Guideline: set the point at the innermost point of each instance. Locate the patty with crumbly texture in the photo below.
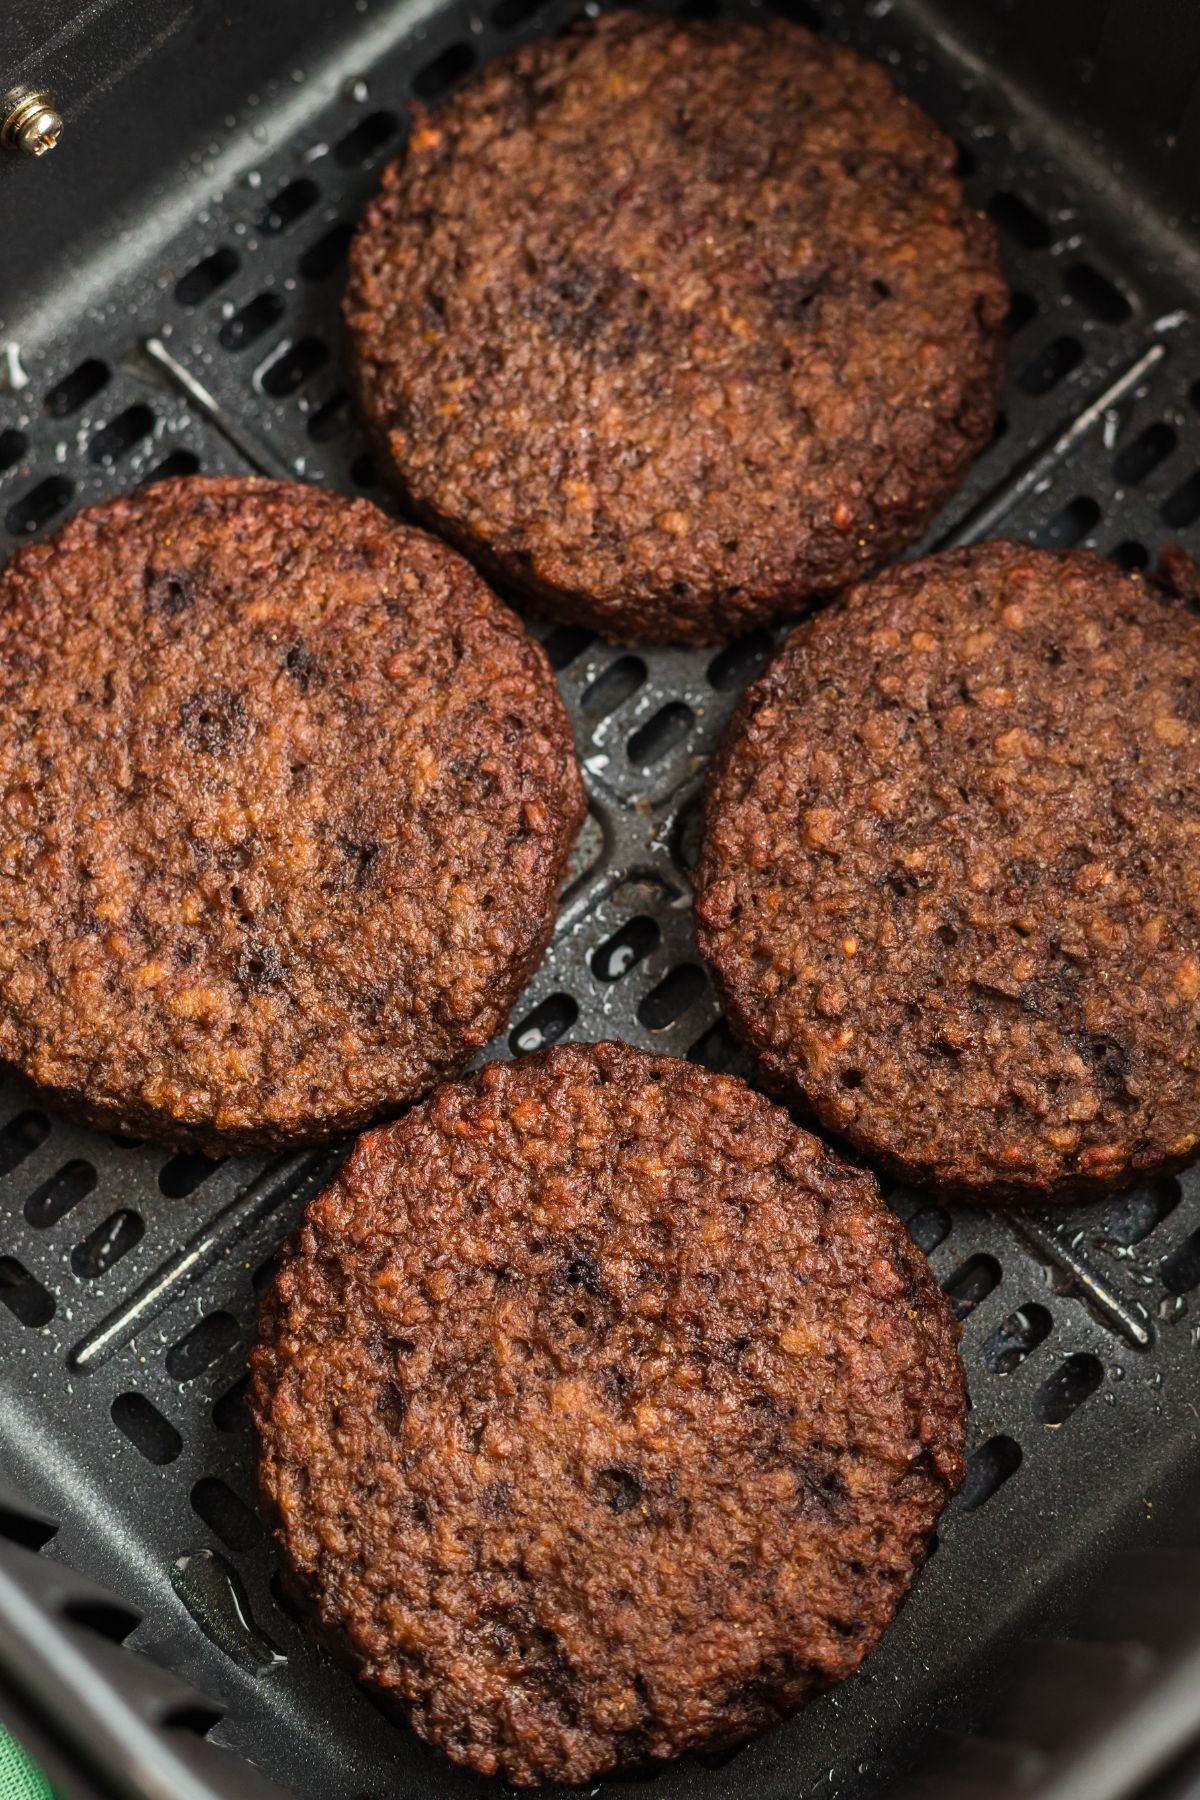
(286, 795)
(603, 1414)
(949, 884)
(671, 326)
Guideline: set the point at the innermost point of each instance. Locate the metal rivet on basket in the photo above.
(28, 121)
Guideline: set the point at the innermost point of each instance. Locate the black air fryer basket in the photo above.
(169, 287)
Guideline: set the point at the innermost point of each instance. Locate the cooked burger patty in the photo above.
(671, 325)
(949, 886)
(603, 1414)
(287, 795)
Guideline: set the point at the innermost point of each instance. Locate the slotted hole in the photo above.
(803, 12)
(202, 1346)
(1022, 310)
(366, 140)
(362, 472)
(740, 661)
(23, 1294)
(223, 1513)
(201, 281)
(613, 687)
(21, 1137)
(1070, 1385)
(625, 948)
(1143, 455)
(510, 13)
(1096, 294)
(76, 389)
(253, 321)
(295, 365)
(1131, 555)
(564, 643)
(450, 66)
(112, 1239)
(716, 1049)
(965, 163)
(1180, 1271)
(196, 1718)
(290, 203)
(1052, 364)
(660, 735)
(1015, 1338)
(330, 420)
(229, 1410)
(121, 435)
(145, 1427)
(180, 462)
(12, 449)
(1017, 218)
(971, 1284)
(327, 255)
(675, 994)
(1071, 525)
(107, 1618)
(283, 1599)
(1183, 507)
(929, 1227)
(182, 1174)
(265, 1273)
(39, 505)
(544, 1025)
(24, 1528)
(1132, 1217)
(988, 1468)
(55, 1198)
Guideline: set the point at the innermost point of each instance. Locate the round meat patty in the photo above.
(286, 795)
(670, 326)
(949, 884)
(603, 1414)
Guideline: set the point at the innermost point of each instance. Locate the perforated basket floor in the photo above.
(128, 1277)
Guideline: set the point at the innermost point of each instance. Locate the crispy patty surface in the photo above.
(286, 797)
(670, 326)
(949, 883)
(603, 1413)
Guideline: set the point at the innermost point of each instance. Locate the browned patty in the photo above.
(949, 886)
(670, 326)
(603, 1414)
(286, 797)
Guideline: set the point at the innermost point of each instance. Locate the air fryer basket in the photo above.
(162, 313)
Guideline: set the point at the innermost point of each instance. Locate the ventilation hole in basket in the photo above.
(1183, 507)
(1181, 1270)
(121, 435)
(988, 1468)
(966, 162)
(180, 462)
(12, 449)
(1018, 220)
(283, 1599)
(330, 420)
(511, 13)
(24, 1529)
(54, 1199)
(1143, 455)
(1131, 555)
(1071, 525)
(802, 12)
(929, 1227)
(265, 1273)
(23, 1294)
(229, 1410)
(195, 1718)
(625, 948)
(201, 281)
(1052, 364)
(544, 1025)
(297, 363)
(1022, 310)
(202, 1346)
(661, 734)
(1097, 294)
(565, 643)
(107, 1618)
(39, 505)
(1015, 1338)
(182, 1174)
(21, 1137)
(740, 661)
(675, 994)
(112, 1239)
(327, 255)
(366, 140)
(224, 1514)
(1069, 1386)
(999, 427)
(971, 1283)
(77, 388)
(362, 472)
(1132, 1217)
(253, 321)
(613, 687)
(443, 71)
(290, 203)
(716, 1049)
(1196, 395)
(141, 1422)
